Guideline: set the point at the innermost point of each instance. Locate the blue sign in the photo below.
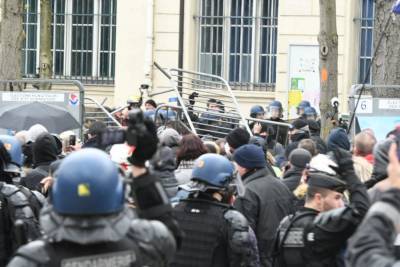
(396, 7)
(380, 125)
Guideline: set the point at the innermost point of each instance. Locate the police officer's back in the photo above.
(20, 206)
(317, 234)
(215, 234)
(88, 222)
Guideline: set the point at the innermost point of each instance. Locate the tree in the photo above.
(328, 58)
(46, 57)
(11, 38)
(385, 68)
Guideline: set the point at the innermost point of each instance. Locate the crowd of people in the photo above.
(267, 197)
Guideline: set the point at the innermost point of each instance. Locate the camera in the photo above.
(136, 128)
(335, 102)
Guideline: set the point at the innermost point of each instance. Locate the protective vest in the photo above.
(19, 223)
(290, 245)
(123, 253)
(205, 229)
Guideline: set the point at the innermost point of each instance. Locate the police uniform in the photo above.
(310, 238)
(118, 241)
(88, 224)
(19, 207)
(215, 235)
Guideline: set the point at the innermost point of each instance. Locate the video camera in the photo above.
(136, 128)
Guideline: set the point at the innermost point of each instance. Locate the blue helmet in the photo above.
(304, 104)
(87, 183)
(310, 111)
(275, 104)
(213, 170)
(255, 110)
(13, 147)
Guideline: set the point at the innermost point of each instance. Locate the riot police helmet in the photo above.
(302, 105)
(257, 111)
(87, 183)
(311, 113)
(214, 171)
(14, 149)
(275, 109)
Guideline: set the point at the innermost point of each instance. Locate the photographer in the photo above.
(84, 226)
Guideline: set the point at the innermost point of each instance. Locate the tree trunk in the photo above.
(11, 38)
(46, 57)
(385, 69)
(328, 58)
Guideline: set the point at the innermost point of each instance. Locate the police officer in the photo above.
(310, 113)
(301, 108)
(19, 207)
(257, 112)
(275, 110)
(215, 233)
(88, 223)
(280, 133)
(317, 234)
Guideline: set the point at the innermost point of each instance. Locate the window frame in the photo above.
(256, 41)
(95, 74)
(367, 28)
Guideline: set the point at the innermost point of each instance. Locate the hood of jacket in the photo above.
(44, 149)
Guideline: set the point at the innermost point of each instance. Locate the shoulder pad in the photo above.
(236, 219)
(39, 197)
(325, 217)
(9, 189)
(34, 251)
(153, 237)
(12, 193)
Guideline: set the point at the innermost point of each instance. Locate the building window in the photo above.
(84, 35)
(237, 40)
(366, 39)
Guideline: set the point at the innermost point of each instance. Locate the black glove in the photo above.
(192, 97)
(344, 160)
(147, 142)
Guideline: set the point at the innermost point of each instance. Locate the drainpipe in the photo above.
(148, 69)
(181, 39)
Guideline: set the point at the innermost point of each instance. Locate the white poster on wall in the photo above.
(303, 75)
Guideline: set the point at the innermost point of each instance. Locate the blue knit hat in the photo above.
(250, 157)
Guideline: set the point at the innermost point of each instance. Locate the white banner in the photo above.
(389, 103)
(32, 96)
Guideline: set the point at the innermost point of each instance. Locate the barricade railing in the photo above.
(209, 106)
(280, 129)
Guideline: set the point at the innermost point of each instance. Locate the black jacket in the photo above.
(44, 153)
(325, 237)
(292, 178)
(265, 203)
(373, 243)
(321, 146)
(295, 140)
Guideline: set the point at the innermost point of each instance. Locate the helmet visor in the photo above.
(274, 112)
